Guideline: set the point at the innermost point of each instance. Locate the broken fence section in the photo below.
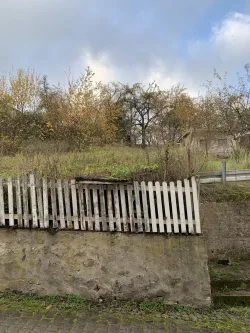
(31, 202)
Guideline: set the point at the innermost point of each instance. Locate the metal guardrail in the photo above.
(224, 176)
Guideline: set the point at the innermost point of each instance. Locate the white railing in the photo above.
(31, 202)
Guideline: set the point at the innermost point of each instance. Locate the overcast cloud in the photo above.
(130, 41)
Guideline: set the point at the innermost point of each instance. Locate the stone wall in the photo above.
(226, 225)
(104, 265)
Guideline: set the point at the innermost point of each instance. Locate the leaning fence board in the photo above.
(67, 204)
(10, 202)
(181, 206)
(189, 206)
(152, 206)
(40, 203)
(110, 211)
(117, 209)
(19, 204)
(174, 207)
(2, 209)
(33, 201)
(166, 206)
(96, 210)
(138, 207)
(196, 206)
(124, 210)
(131, 208)
(145, 206)
(45, 203)
(159, 206)
(25, 201)
(53, 203)
(61, 204)
(74, 204)
(89, 207)
(81, 207)
(103, 208)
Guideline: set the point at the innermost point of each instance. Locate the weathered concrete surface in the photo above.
(226, 225)
(103, 265)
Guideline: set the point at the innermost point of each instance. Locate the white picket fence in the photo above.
(31, 202)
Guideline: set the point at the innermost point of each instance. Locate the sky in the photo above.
(166, 41)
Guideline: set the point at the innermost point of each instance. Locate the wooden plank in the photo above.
(159, 207)
(61, 204)
(67, 204)
(167, 207)
(110, 209)
(117, 209)
(81, 207)
(96, 209)
(10, 202)
(33, 201)
(74, 204)
(19, 203)
(53, 204)
(40, 203)
(181, 206)
(131, 207)
(145, 206)
(138, 207)
(124, 209)
(89, 207)
(45, 203)
(2, 211)
(25, 201)
(152, 206)
(174, 207)
(103, 209)
(196, 206)
(189, 206)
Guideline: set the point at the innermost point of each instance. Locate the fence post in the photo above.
(223, 172)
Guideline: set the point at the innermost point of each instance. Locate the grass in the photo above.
(221, 318)
(113, 162)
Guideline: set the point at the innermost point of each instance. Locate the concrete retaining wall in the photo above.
(226, 226)
(103, 265)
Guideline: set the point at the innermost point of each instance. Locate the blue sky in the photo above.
(131, 41)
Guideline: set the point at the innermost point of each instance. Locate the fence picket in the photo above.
(138, 207)
(110, 210)
(89, 207)
(45, 203)
(96, 210)
(131, 208)
(145, 206)
(196, 206)
(33, 201)
(2, 209)
(103, 209)
(181, 206)
(53, 204)
(167, 207)
(189, 206)
(74, 204)
(19, 203)
(61, 204)
(174, 207)
(124, 210)
(25, 201)
(40, 203)
(159, 206)
(152, 206)
(81, 207)
(10, 202)
(67, 203)
(117, 209)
